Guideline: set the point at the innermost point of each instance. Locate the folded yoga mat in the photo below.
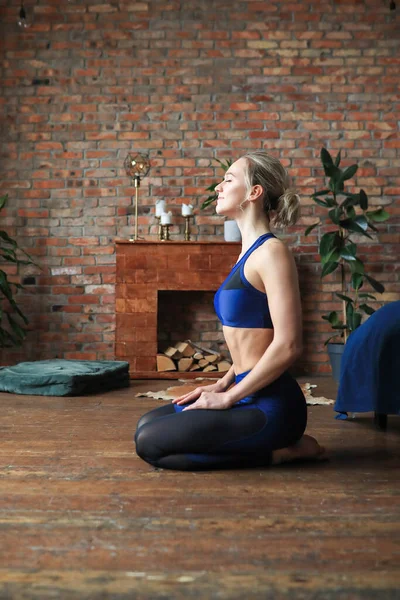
(59, 377)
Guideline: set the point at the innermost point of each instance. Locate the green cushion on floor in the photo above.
(59, 377)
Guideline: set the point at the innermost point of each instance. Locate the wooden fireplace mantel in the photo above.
(146, 267)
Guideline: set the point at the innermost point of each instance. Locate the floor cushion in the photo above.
(59, 377)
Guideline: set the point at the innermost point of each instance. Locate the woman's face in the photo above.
(232, 190)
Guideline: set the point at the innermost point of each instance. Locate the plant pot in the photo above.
(232, 232)
(335, 352)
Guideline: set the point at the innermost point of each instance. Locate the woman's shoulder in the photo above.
(274, 248)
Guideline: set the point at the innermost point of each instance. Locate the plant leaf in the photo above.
(332, 337)
(320, 193)
(18, 332)
(354, 321)
(332, 317)
(372, 226)
(320, 202)
(378, 287)
(208, 201)
(310, 228)
(337, 159)
(351, 213)
(329, 268)
(363, 200)
(326, 158)
(361, 220)
(5, 286)
(349, 172)
(357, 280)
(378, 216)
(331, 170)
(335, 214)
(343, 297)
(336, 182)
(366, 295)
(332, 256)
(357, 266)
(346, 255)
(6, 238)
(328, 241)
(352, 225)
(367, 309)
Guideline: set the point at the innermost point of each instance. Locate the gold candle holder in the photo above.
(159, 228)
(165, 232)
(137, 167)
(187, 226)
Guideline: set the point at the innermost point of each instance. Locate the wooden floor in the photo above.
(83, 517)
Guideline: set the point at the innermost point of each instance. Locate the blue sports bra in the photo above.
(237, 302)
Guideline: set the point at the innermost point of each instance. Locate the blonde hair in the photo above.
(279, 198)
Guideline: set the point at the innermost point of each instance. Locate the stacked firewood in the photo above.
(188, 356)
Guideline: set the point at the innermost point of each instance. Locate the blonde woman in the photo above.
(261, 419)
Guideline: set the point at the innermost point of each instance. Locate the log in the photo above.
(184, 364)
(209, 368)
(164, 363)
(223, 366)
(185, 348)
(198, 356)
(211, 358)
(202, 349)
(203, 363)
(172, 352)
(195, 367)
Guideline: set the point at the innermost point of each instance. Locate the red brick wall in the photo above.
(186, 82)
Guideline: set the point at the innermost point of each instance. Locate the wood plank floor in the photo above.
(82, 517)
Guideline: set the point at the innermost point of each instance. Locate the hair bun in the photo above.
(287, 209)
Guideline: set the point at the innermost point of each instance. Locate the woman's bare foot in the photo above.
(307, 448)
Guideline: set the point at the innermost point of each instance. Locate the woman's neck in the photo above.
(251, 229)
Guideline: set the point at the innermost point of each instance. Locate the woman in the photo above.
(261, 419)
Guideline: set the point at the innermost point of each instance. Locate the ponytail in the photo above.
(287, 209)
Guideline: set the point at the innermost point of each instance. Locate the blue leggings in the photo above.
(242, 436)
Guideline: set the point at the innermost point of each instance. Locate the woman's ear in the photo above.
(256, 192)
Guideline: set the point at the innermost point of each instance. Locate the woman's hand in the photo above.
(196, 393)
(208, 400)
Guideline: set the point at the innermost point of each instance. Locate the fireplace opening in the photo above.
(184, 315)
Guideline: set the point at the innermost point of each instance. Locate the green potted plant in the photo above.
(231, 230)
(348, 215)
(12, 320)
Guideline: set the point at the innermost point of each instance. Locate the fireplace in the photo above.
(144, 270)
(189, 315)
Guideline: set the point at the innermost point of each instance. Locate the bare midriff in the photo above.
(247, 346)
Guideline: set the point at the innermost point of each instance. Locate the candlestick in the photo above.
(159, 227)
(187, 226)
(165, 231)
(137, 167)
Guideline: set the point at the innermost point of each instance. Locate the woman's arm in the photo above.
(226, 380)
(276, 269)
(218, 387)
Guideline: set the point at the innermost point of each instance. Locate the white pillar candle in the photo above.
(166, 218)
(160, 207)
(187, 209)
